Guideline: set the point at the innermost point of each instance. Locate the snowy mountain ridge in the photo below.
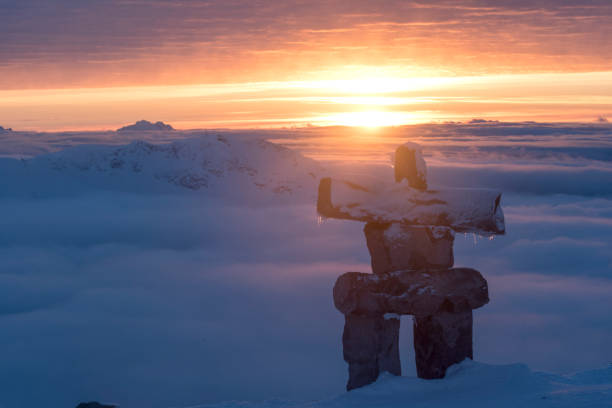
(146, 125)
(215, 164)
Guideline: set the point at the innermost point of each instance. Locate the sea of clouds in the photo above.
(165, 298)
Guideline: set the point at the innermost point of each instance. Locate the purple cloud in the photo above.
(159, 41)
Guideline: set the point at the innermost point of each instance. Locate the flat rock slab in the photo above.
(373, 200)
(418, 293)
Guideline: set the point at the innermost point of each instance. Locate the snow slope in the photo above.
(215, 164)
(469, 384)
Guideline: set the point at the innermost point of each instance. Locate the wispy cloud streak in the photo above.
(120, 42)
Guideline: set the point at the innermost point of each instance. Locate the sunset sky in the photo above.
(72, 64)
(199, 265)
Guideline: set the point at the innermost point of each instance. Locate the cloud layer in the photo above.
(119, 42)
(158, 299)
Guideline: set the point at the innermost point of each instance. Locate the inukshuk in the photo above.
(409, 232)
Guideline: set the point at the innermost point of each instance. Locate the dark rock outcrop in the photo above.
(94, 404)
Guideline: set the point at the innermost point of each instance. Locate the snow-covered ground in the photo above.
(181, 268)
(469, 384)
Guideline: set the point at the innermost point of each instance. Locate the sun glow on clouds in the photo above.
(376, 85)
(370, 119)
(368, 100)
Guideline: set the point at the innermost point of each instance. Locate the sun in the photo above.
(366, 101)
(370, 98)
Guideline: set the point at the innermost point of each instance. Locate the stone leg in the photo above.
(441, 340)
(388, 354)
(370, 345)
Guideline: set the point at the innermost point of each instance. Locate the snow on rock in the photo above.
(210, 163)
(395, 232)
(468, 384)
(371, 200)
(146, 125)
